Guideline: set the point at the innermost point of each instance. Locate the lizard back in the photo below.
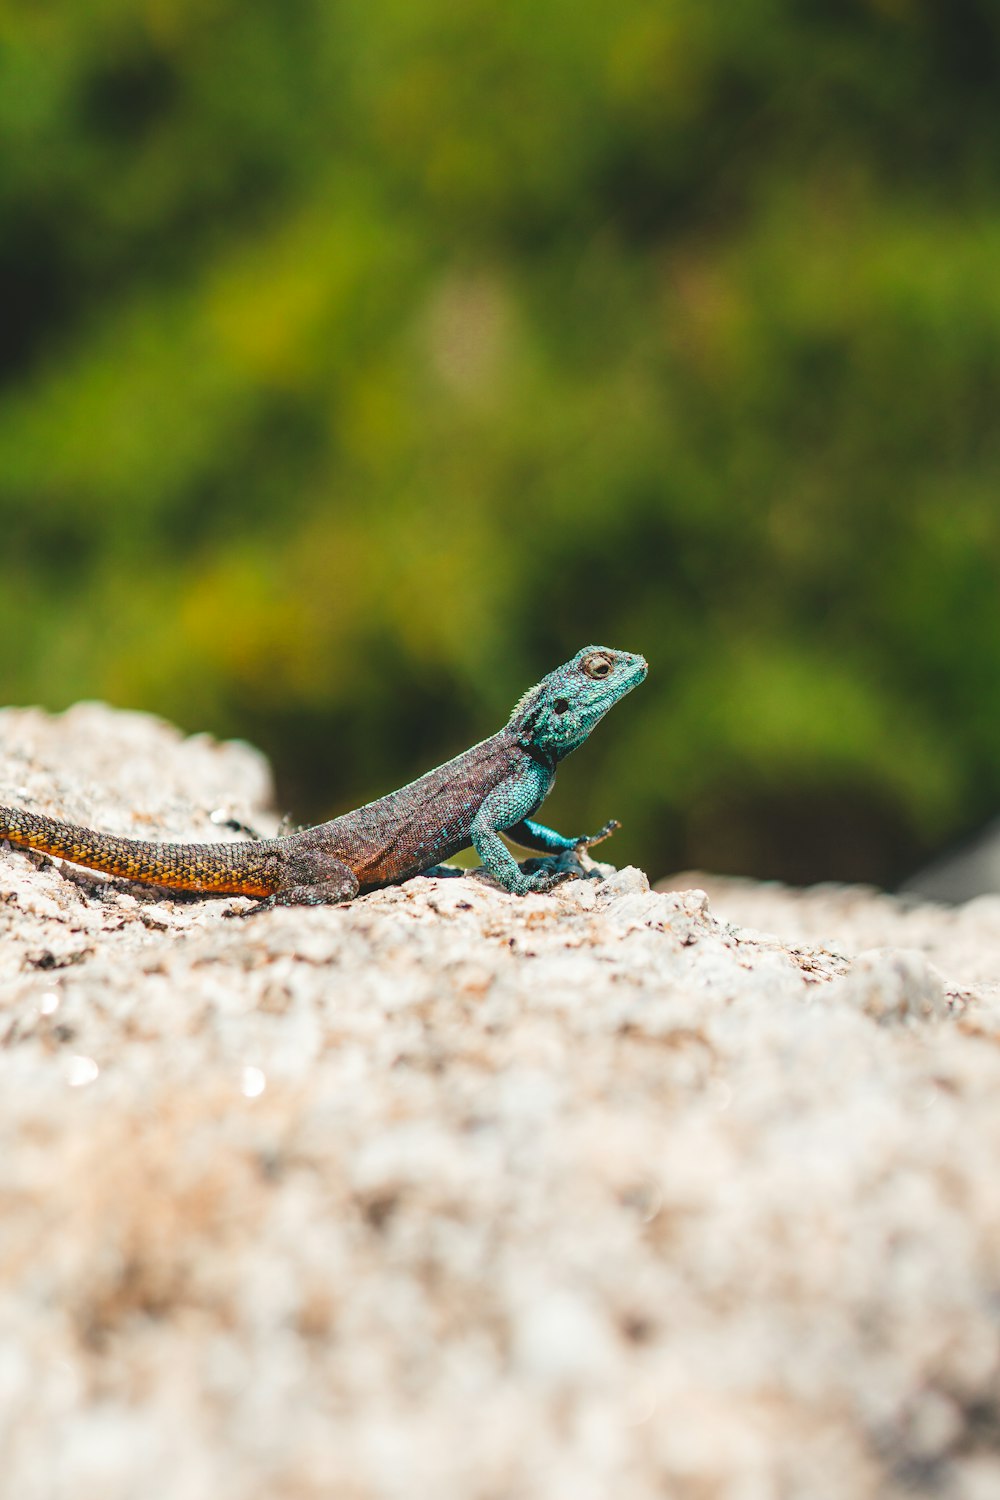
(418, 825)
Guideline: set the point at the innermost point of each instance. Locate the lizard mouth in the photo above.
(638, 670)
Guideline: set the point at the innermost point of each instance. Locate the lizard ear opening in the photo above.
(560, 706)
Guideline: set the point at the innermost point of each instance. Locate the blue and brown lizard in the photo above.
(495, 787)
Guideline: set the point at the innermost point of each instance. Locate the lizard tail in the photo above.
(241, 869)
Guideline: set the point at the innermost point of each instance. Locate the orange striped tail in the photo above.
(239, 869)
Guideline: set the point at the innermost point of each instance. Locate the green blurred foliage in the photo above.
(360, 363)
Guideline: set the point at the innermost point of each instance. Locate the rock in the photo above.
(444, 1193)
(893, 986)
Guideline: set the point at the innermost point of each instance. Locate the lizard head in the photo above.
(557, 715)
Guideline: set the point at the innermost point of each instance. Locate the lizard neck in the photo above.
(523, 739)
(543, 757)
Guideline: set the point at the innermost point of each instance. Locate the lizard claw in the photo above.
(548, 879)
(589, 840)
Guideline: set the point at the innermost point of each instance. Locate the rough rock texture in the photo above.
(451, 1194)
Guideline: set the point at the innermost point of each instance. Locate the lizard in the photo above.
(495, 786)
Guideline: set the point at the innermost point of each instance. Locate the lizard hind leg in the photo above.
(310, 877)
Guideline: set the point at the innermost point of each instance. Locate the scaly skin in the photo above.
(496, 786)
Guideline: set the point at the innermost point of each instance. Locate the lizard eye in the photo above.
(560, 706)
(597, 665)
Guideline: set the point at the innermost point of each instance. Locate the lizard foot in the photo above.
(544, 874)
(548, 880)
(222, 819)
(313, 893)
(326, 893)
(589, 840)
(534, 875)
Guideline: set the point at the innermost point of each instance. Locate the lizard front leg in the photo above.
(494, 815)
(532, 835)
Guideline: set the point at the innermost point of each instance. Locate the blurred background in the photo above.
(361, 363)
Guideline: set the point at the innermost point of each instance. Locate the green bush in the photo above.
(362, 362)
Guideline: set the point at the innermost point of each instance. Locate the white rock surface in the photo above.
(449, 1194)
